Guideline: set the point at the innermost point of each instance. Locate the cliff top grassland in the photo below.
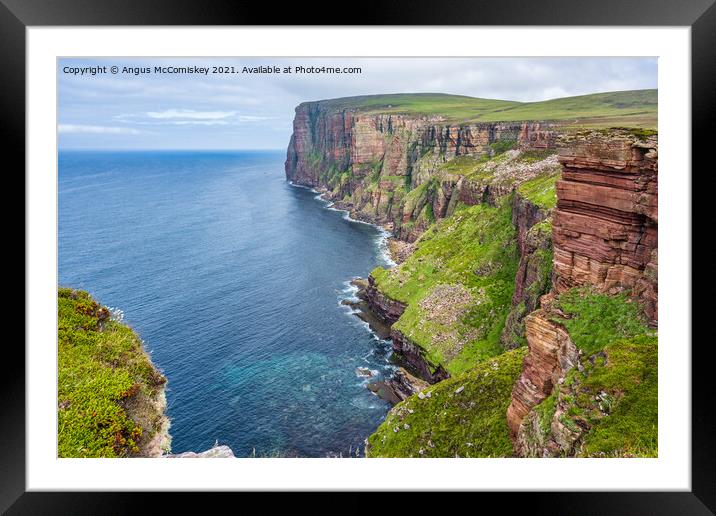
(593, 320)
(110, 396)
(635, 108)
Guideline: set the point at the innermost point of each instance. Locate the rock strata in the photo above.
(551, 354)
(605, 228)
(605, 236)
(412, 356)
(386, 308)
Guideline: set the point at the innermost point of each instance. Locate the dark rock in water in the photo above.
(400, 386)
(364, 371)
(361, 283)
(363, 311)
(384, 390)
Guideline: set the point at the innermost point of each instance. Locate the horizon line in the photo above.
(145, 149)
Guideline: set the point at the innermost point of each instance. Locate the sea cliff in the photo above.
(527, 239)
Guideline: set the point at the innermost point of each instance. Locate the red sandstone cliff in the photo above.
(605, 224)
(367, 162)
(604, 235)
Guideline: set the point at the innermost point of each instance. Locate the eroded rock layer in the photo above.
(605, 227)
(533, 277)
(551, 354)
(605, 237)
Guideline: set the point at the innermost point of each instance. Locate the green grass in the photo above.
(594, 320)
(630, 376)
(615, 396)
(611, 399)
(452, 106)
(464, 165)
(473, 252)
(533, 156)
(541, 190)
(102, 371)
(637, 108)
(469, 423)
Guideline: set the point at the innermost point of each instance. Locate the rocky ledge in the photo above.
(398, 387)
(551, 354)
(215, 452)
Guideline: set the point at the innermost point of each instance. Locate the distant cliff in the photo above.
(390, 168)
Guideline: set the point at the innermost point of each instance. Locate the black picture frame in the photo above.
(17, 15)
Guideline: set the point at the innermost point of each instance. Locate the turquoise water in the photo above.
(233, 278)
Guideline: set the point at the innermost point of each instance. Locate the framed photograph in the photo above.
(417, 253)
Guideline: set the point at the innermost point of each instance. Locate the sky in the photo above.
(133, 109)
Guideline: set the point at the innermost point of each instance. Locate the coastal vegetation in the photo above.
(110, 396)
(458, 285)
(463, 416)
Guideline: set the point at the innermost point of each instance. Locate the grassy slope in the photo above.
(474, 251)
(620, 378)
(541, 191)
(637, 108)
(464, 416)
(102, 370)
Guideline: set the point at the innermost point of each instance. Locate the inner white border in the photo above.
(671, 471)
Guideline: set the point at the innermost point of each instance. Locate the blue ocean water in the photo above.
(233, 278)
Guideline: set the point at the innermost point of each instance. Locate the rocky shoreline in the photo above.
(377, 310)
(403, 383)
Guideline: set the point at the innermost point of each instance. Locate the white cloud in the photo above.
(252, 118)
(190, 114)
(198, 122)
(168, 118)
(94, 129)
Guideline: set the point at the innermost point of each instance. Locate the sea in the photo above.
(234, 280)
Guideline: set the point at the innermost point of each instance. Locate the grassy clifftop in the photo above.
(110, 396)
(635, 108)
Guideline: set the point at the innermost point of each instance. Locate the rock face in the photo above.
(387, 309)
(533, 277)
(604, 236)
(412, 356)
(606, 221)
(551, 354)
(366, 162)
